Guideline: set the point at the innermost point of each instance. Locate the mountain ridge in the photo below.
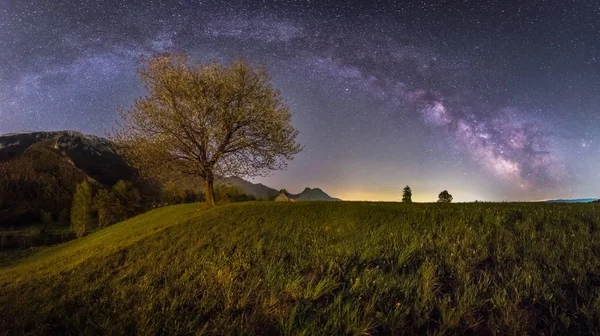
(574, 200)
(32, 163)
(311, 194)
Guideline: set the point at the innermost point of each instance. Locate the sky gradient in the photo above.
(490, 100)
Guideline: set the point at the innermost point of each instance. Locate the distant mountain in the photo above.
(577, 200)
(93, 155)
(258, 190)
(315, 194)
(261, 191)
(40, 170)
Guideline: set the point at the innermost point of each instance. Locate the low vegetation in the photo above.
(317, 268)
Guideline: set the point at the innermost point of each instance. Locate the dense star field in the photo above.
(492, 100)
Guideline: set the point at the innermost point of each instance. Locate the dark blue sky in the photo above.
(491, 100)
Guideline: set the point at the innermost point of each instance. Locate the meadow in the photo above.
(317, 268)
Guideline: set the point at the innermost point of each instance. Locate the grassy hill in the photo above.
(317, 268)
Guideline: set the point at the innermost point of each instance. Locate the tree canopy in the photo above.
(206, 120)
(81, 212)
(407, 195)
(445, 197)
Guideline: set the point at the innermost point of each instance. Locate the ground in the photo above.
(317, 268)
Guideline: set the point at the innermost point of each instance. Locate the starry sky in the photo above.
(491, 100)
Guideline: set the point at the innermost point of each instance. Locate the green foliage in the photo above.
(127, 198)
(38, 180)
(81, 212)
(224, 193)
(325, 268)
(177, 193)
(407, 195)
(106, 206)
(445, 197)
(122, 201)
(227, 193)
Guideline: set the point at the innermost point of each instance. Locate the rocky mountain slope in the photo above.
(39, 172)
(93, 155)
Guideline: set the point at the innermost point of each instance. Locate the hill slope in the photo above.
(317, 268)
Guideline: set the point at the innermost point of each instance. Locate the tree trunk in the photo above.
(209, 192)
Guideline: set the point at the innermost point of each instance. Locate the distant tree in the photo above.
(444, 197)
(81, 212)
(127, 198)
(206, 120)
(117, 204)
(283, 191)
(105, 205)
(407, 195)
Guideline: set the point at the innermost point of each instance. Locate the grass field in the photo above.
(317, 269)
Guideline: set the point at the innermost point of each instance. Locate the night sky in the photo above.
(491, 100)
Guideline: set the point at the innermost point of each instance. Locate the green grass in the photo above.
(317, 268)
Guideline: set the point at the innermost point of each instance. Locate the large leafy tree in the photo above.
(205, 121)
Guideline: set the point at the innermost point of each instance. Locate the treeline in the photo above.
(98, 207)
(38, 186)
(173, 193)
(104, 207)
